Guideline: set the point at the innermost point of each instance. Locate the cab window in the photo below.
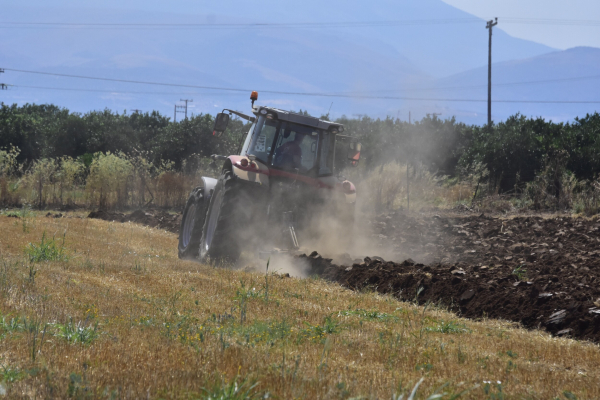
(296, 148)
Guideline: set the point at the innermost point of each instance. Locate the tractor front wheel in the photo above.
(192, 222)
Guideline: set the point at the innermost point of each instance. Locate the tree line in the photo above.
(505, 154)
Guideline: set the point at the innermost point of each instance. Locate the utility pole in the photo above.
(489, 26)
(178, 109)
(3, 86)
(186, 104)
(409, 117)
(407, 188)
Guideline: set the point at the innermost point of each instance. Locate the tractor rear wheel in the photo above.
(228, 217)
(192, 222)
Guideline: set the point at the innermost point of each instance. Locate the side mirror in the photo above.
(221, 122)
(354, 152)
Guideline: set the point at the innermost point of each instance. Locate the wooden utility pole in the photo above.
(3, 86)
(186, 102)
(489, 26)
(177, 110)
(407, 189)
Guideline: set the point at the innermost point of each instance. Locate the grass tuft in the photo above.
(449, 327)
(46, 250)
(77, 332)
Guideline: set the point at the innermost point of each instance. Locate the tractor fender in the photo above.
(247, 170)
(346, 187)
(209, 185)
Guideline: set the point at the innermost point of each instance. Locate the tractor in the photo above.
(275, 192)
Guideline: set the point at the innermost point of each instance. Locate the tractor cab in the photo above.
(292, 142)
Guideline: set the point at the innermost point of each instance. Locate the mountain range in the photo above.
(416, 58)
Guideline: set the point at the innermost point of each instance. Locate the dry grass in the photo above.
(168, 328)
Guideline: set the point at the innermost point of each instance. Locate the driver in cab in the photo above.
(289, 154)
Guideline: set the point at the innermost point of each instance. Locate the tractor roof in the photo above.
(290, 116)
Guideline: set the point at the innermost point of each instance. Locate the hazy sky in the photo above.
(561, 37)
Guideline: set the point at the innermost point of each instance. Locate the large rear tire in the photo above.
(227, 220)
(190, 232)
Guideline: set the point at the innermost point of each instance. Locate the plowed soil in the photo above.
(154, 218)
(541, 272)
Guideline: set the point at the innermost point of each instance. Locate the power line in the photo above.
(137, 82)
(328, 95)
(337, 94)
(117, 91)
(269, 25)
(550, 21)
(259, 25)
(418, 89)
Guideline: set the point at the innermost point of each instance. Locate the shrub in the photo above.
(108, 179)
(8, 165)
(39, 177)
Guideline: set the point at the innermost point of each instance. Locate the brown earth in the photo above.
(541, 272)
(154, 218)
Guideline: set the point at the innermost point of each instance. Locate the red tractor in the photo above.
(275, 192)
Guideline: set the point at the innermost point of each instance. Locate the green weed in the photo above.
(24, 212)
(425, 367)
(520, 272)
(265, 332)
(47, 250)
(449, 327)
(243, 294)
(569, 396)
(512, 354)
(233, 390)
(78, 387)
(320, 332)
(369, 315)
(76, 332)
(493, 391)
(10, 325)
(11, 375)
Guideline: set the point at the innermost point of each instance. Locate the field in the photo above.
(100, 309)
